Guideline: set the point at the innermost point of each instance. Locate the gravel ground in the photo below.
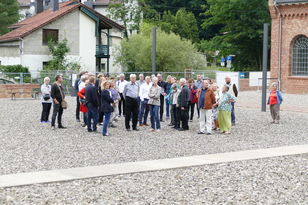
(26, 145)
(281, 181)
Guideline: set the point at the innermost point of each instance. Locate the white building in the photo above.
(87, 33)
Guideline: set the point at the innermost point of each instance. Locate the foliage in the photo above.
(173, 53)
(183, 23)
(241, 30)
(14, 69)
(9, 14)
(128, 12)
(59, 61)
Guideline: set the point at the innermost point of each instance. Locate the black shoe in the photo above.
(61, 127)
(162, 120)
(77, 120)
(83, 125)
(201, 133)
(136, 129)
(208, 133)
(170, 124)
(128, 130)
(90, 130)
(180, 129)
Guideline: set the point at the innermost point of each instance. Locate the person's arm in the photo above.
(213, 97)
(235, 90)
(157, 94)
(107, 97)
(52, 94)
(125, 91)
(81, 93)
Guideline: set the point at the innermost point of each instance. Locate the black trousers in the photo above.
(184, 115)
(162, 102)
(57, 111)
(77, 108)
(121, 105)
(45, 112)
(131, 108)
(175, 113)
(192, 110)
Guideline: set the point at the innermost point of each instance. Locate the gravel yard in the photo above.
(26, 145)
(281, 180)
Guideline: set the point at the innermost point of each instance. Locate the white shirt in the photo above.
(81, 85)
(144, 91)
(45, 89)
(121, 85)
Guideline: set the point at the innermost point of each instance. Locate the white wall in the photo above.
(255, 78)
(10, 60)
(87, 44)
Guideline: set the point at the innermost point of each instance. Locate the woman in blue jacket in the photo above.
(106, 107)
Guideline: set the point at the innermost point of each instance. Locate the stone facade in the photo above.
(289, 21)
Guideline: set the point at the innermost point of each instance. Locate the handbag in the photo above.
(83, 101)
(46, 97)
(63, 103)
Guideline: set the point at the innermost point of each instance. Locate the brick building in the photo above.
(289, 44)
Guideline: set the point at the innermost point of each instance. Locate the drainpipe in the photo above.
(279, 44)
(21, 48)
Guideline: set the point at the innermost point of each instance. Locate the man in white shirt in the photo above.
(144, 98)
(121, 83)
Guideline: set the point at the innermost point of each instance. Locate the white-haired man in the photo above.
(234, 92)
(130, 94)
(183, 104)
(121, 85)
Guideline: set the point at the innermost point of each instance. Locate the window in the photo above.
(45, 64)
(300, 57)
(50, 34)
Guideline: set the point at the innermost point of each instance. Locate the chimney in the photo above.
(39, 6)
(55, 5)
(89, 3)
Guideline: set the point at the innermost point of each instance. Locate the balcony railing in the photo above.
(102, 51)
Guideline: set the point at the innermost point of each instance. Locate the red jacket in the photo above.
(193, 98)
(81, 94)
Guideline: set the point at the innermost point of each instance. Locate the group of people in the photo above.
(102, 100)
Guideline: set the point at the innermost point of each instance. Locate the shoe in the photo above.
(180, 129)
(61, 127)
(77, 120)
(208, 133)
(190, 120)
(53, 127)
(233, 123)
(94, 130)
(227, 133)
(201, 133)
(141, 125)
(101, 123)
(146, 125)
(128, 130)
(83, 125)
(106, 135)
(170, 124)
(90, 130)
(136, 129)
(162, 120)
(277, 122)
(113, 126)
(223, 132)
(158, 130)
(152, 130)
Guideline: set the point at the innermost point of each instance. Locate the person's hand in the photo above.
(56, 101)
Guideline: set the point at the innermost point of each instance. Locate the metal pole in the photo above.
(265, 58)
(154, 50)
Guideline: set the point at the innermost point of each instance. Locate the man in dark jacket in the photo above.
(162, 84)
(92, 104)
(57, 95)
(183, 104)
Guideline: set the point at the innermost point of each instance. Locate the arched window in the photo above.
(300, 57)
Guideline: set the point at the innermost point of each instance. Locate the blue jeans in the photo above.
(167, 108)
(155, 116)
(85, 118)
(232, 113)
(144, 112)
(107, 116)
(92, 114)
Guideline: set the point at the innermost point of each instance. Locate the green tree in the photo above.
(9, 14)
(59, 61)
(128, 12)
(241, 30)
(173, 53)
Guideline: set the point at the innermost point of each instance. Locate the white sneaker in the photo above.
(158, 130)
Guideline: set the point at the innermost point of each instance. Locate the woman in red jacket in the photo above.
(193, 98)
(83, 106)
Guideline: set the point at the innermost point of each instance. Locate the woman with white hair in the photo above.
(274, 101)
(46, 100)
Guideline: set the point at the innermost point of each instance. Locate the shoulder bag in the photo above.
(63, 103)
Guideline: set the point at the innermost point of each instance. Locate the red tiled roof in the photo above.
(35, 22)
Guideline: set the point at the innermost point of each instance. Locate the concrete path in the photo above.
(21, 179)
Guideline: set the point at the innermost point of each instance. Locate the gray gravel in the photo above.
(281, 180)
(26, 145)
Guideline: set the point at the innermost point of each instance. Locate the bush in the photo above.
(13, 69)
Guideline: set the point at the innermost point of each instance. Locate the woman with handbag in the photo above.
(46, 100)
(83, 104)
(59, 103)
(106, 105)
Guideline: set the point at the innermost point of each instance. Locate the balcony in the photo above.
(102, 51)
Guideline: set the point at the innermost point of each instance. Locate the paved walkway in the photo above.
(21, 179)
